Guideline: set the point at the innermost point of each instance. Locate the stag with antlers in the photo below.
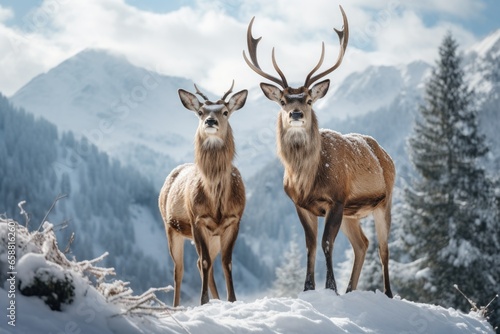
(340, 177)
(204, 201)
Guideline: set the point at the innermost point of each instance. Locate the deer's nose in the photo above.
(211, 122)
(296, 115)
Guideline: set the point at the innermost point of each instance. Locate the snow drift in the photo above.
(100, 306)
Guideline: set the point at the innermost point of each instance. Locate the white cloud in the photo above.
(5, 14)
(458, 8)
(205, 43)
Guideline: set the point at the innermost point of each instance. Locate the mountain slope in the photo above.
(135, 114)
(104, 199)
(132, 113)
(110, 207)
(120, 108)
(376, 87)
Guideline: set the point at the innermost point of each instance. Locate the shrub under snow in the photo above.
(42, 270)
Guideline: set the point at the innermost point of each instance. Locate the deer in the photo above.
(204, 201)
(341, 177)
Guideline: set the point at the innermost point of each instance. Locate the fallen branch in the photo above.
(481, 310)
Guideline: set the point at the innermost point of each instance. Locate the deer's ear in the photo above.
(189, 100)
(319, 90)
(272, 92)
(237, 101)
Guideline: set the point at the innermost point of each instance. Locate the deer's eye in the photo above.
(283, 102)
(200, 113)
(309, 102)
(225, 113)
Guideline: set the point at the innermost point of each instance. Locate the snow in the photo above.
(213, 107)
(148, 234)
(319, 311)
(122, 108)
(110, 308)
(488, 44)
(295, 96)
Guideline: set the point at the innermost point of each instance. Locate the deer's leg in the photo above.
(201, 238)
(176, 249)
(310, 224)
(382, 216)
(359, 242)
(333, 221)
(227, 241)
(214, 248)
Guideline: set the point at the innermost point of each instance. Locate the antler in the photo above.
(200, 93)
(254, 64)
(228, 92)
(344, 39)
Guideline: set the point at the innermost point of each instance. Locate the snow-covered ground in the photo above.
(108, 306)
(319, 311)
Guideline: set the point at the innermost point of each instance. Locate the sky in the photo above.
(203, 40)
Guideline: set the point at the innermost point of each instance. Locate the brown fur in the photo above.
(204, 201)
(340, 177)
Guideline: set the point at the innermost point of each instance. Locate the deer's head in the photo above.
(213, 117)
(296, 112)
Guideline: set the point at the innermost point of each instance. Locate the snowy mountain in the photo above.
(135, 115)
(109, 207)
(372, 89)
(106, 205)
(132, 113)
(129, 112)
(482, 64)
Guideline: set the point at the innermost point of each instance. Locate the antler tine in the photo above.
(228, 92)
(254, 64)
(344, 39)
(321, 58)
(276, 67)
(200, 93)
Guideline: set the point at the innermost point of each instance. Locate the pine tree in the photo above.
(450, 216)
(290, 275)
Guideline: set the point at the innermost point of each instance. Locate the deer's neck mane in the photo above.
(300, 152)
(214, 157)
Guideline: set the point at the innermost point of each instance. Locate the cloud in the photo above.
(5, 14)
(457, 8)
(204, 42)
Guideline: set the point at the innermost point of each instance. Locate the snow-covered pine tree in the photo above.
(450, 216)
(290, 275)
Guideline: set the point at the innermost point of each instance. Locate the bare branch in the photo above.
(24, 213)
(50, 209)
(70, 241)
